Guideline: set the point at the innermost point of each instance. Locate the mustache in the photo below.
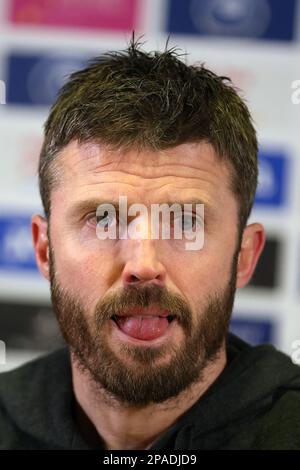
(143, 297)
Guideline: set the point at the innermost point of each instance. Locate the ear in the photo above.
(253, 242)
(39, 227)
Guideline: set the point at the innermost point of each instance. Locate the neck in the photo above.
(103, 419)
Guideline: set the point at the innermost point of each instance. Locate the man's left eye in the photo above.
(189, 221)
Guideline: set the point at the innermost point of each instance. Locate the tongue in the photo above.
(146, 328)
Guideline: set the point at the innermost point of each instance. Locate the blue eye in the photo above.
(189, 222)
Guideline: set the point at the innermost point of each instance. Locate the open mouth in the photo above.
(143, 327)
(170, 318)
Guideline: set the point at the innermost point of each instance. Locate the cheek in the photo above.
(83, 270)
(203, 272)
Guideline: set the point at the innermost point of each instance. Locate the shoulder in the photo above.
(26, 378)
(280, 426)
(27, 395)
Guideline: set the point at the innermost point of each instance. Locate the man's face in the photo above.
(112, 296)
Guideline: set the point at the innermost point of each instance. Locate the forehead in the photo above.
(192, 169)
(186, 160)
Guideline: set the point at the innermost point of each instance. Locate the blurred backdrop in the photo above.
(255, 42)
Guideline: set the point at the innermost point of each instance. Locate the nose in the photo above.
(142, 264)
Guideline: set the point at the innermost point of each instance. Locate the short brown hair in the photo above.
(152, 100)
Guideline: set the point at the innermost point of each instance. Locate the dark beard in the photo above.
(143, 381)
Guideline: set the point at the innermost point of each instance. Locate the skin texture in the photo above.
(89, 270)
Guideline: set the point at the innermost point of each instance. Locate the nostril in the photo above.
(133, 278)
(145, 277)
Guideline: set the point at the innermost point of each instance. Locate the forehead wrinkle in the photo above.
(204, 188)
(153, 163)
(206, 176)
(205, 191)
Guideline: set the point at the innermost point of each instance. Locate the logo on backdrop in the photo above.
(36, 79)
(262, 19)
(231, 17)
(253, 330)
(16, 249)
(91, 14)
(272, 179)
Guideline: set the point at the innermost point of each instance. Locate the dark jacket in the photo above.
(254, 404)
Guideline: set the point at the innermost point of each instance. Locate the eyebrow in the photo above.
(92, 204)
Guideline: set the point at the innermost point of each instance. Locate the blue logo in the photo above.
(253, 331)
(36, 79)
(16, 248)
(272, 179)
(266, 19)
